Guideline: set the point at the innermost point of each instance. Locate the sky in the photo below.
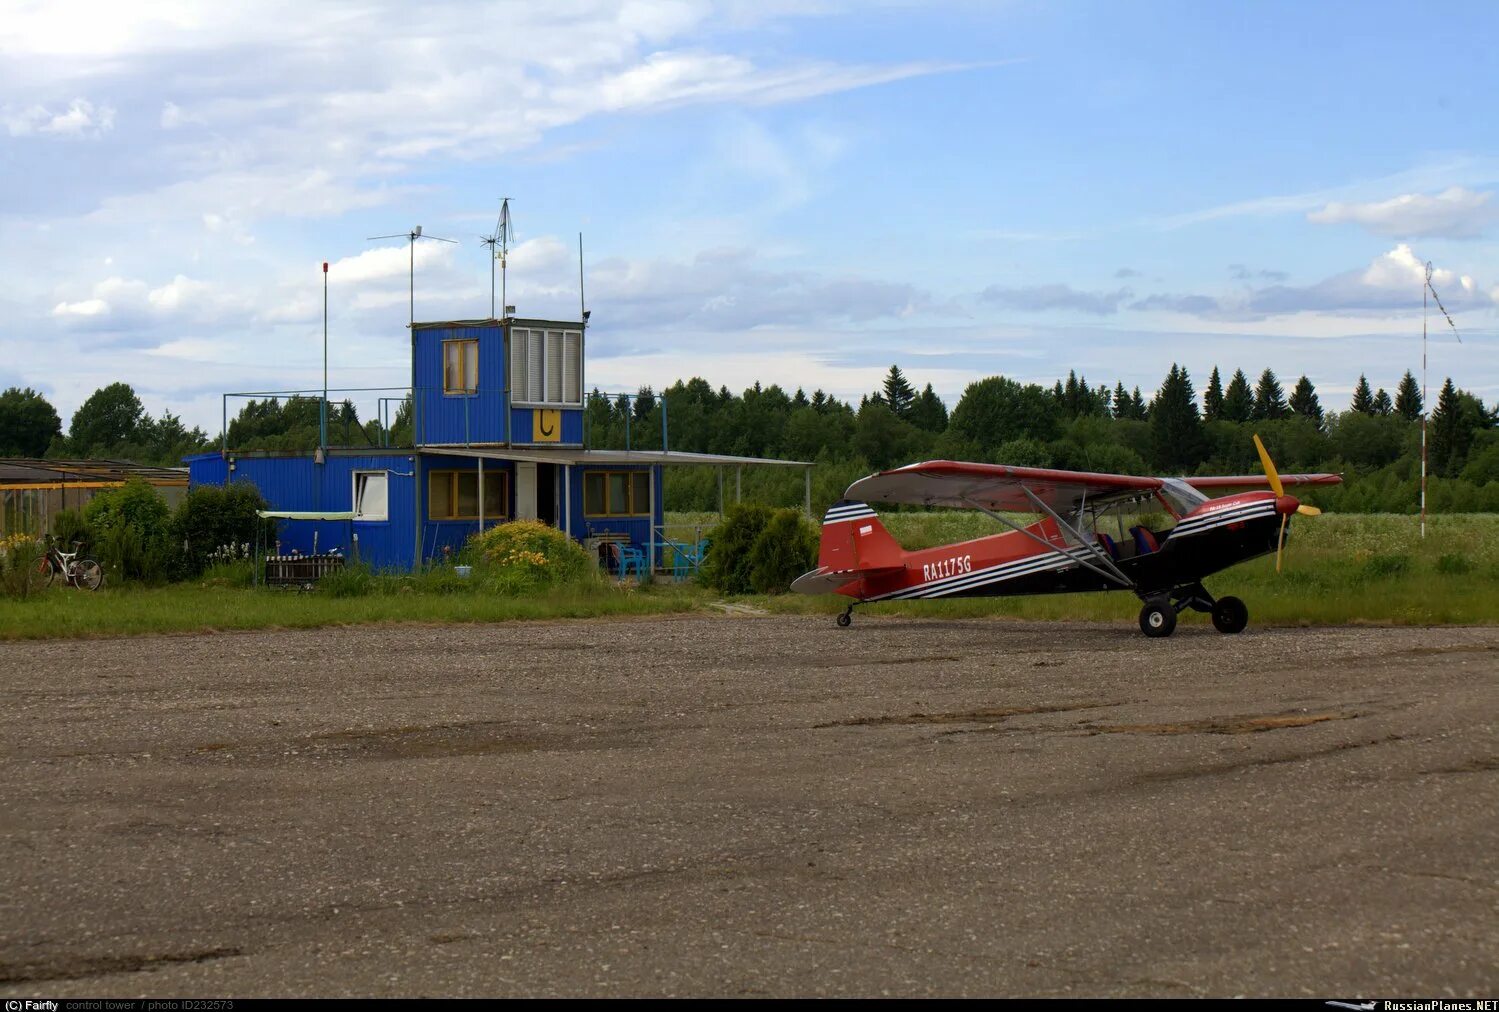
(799, 193)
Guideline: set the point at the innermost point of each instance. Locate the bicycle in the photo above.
(83, 573)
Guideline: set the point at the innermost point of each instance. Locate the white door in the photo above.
(525, 490)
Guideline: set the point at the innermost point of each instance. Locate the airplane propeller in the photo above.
(1280, 496)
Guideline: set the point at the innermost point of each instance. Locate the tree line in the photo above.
(1074, 424)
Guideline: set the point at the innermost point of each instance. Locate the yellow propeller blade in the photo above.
(1269, 467)
(1308, 511)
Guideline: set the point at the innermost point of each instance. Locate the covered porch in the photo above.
(610, 501)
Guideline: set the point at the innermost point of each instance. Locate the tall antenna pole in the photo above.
(323, 414)
(1425, 401)
(498, 243)
(582, 303)
(504, 234)
(1425, 405)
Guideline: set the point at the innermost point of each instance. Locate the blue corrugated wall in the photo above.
(460, 418)
(298, 483)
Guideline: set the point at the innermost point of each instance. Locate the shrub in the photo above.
(18, 554)
(785, 549)
(727, 566)
(1388, 565)
(523, 555)
(131, 528)
(230, 573)
(69, 527)
(211, 517)
(1453, 564)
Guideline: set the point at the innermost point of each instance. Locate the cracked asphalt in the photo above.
(752, 806)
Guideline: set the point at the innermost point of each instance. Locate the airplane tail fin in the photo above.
(854, 545)
(854, 539)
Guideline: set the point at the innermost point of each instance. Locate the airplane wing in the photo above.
(827, 581)
(997, 487)
(1218, 483)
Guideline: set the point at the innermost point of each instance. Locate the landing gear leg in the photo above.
(847, 618)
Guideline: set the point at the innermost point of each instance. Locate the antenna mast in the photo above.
(1425, 400)
(499, 245)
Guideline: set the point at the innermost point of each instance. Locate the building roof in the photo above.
(572, 455)
(33, 472)
(522, 321)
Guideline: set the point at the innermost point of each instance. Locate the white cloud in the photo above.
(1455, 213)
(88, 307)
(81, 119)
(174, 293)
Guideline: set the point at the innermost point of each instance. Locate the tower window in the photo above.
(460, 367)
(546, 367)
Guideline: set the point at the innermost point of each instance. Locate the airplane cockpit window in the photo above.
(1182, 497)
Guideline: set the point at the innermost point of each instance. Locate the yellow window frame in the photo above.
(463, 382)
(497, 508)
(637, 493)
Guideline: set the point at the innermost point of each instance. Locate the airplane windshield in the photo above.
(1182, 497)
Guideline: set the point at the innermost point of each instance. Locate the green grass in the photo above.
(1340, 569)
(196, 607)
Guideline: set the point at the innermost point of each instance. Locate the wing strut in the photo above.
(1115, 577)
(1082, 541)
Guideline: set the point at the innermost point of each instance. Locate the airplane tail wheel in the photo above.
(1157, 619)
(845, 620)
(1230, 615)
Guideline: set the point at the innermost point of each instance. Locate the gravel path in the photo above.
(752, 806)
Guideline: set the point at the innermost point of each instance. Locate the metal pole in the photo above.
(720, 490)
(807, 473)
(738, 484)
(481, 495)
(323, 413)
(1424, 398)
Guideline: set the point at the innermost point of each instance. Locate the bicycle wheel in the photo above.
(40, 576)
(88, 574)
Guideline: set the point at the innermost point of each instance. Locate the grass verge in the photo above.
(183, 608)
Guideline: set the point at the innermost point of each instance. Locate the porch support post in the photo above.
(481, 495)
(720, 490)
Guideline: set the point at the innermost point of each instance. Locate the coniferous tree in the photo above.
(1238, 399)
(1383, 406)
(1408, 398)
(1269, 398)
(1212, 399)
(1304, 401)
(1122, 403)
(1446, 434)
(898, 393)
(1175, 426)
(1363, 397)
(928, 412)
(1139, 411)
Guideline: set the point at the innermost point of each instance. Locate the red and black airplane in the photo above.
(1068, 549)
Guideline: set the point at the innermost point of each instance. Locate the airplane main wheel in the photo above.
(1230, 615)
(845, 620)
(1157, 619)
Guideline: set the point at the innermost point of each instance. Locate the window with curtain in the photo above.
(371, 495)
(454, 495)
(616, 493)
(460, 367)
(546, 367)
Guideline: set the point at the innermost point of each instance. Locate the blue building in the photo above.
(498, 434)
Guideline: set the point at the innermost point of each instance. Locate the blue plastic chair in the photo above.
(633, 559)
